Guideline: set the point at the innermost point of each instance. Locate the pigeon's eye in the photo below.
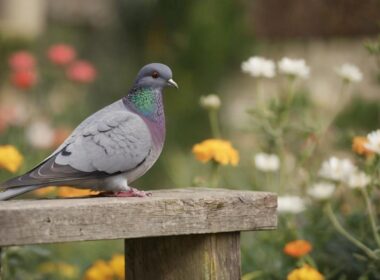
(155, 75)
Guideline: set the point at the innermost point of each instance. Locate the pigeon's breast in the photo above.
(157, 130)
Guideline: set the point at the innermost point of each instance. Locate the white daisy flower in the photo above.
(294, 67)
(40, 135)
(358, 180)
(258, 66)
(349, 73)
(337, 169)
(267, 162)
(211, 101)
(291, 204)
(321, 191)
(373, 141)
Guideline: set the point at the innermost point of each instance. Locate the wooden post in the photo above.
(186, 257)
(1, 267)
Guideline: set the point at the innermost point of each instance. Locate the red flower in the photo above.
(24, 79)
(21, 60)
(61, 54)
(81, 71)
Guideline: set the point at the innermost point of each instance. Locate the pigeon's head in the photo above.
(155, 75)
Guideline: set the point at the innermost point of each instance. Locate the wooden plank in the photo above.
(167, 212)
(186, 257)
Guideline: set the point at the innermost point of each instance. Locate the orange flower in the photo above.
(358, 146)
(220, 151)
(73, 192)
(297, 248)
(44, 191)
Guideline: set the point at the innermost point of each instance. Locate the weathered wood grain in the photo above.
(213, 256)
(167, 212)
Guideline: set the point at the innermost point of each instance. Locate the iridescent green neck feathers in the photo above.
(146, 101)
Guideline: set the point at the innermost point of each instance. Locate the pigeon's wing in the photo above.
(113, 143)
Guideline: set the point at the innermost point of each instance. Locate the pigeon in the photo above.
(111, 148)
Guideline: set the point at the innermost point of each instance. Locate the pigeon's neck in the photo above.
(147, 102)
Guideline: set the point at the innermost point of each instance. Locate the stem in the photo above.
(215, 175)
(330, 214)
(371, 215)
(214, 124)
(258, 92)
(288, 101)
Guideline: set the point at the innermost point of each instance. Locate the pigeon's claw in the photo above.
(131, 193)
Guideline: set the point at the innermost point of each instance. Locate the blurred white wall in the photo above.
(25, 18)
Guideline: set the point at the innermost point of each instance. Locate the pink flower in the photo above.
(81, 71)
(61, 54)
(24, 79)
(21, 60)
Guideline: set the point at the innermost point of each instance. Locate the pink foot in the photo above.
(131, 193)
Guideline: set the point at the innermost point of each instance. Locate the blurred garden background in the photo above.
(285, 93)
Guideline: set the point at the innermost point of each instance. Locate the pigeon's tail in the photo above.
(12, 192)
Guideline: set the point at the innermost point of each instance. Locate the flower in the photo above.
(297, 248)
(359, 146)
(40, 135)
(294, 67)
(373, 144)
(337, 169)
(305, 272)
(210, 102)
(117, 263)
(21, 60)
(258, 66)
(81, 71)
(24, 79)
(221, 151)
(67, 191)
(61, 54)
(349, 73)
(10, 158)
(321, 191)
(290, 204)
(358, 180)
(100, 270)
(45, 191)
(266, 162)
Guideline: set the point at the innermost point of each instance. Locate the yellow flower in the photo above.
(10, 158)
(117, 263)
(100, 270)
(73, 192)
(61, 268)
(305, 273)
(221, 151)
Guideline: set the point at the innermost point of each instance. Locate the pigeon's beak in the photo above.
(171, 83)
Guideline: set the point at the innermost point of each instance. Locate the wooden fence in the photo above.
(175, 234)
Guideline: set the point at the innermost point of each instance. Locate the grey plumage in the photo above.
(112, 147)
